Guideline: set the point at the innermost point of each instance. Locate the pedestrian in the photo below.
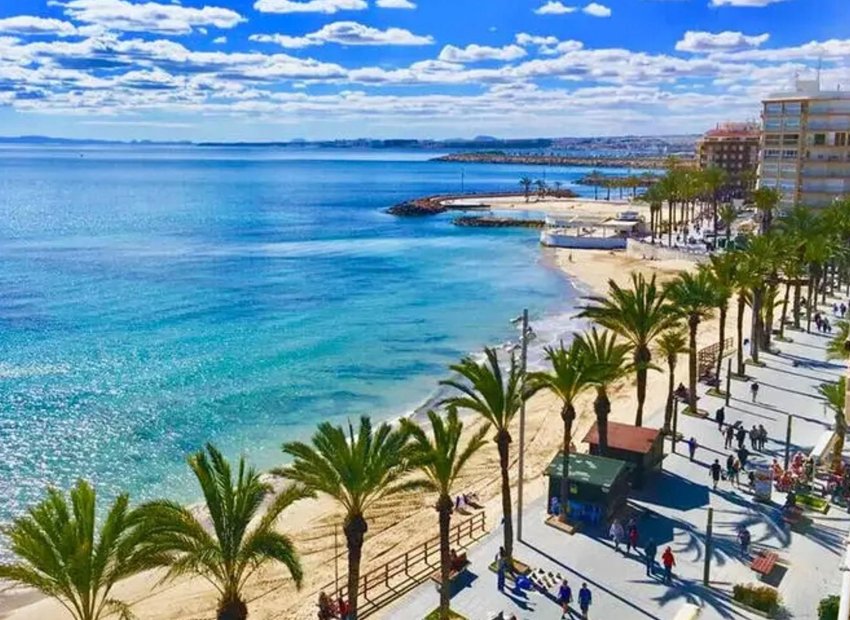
(730, 436)
(565, 597)
(650, 550)
(754, 437)
(719, 417)
(585, 598)
(762, 437)
(692, 446)
(736, 472)
(616, 533)
(744, 540)
(715, 470)
(743, 455)
(554, 506)
(754, 390)
(632, 537)
(501, 569)
(817, 320)
(669, 562)
(741, 436)
(730, 466)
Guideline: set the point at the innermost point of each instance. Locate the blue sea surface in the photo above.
(154, 299)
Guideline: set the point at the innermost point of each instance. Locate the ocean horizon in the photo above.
(157, 298)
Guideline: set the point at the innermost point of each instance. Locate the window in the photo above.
(820, 139)
(793, 107)
(773, 108)
(841, 139)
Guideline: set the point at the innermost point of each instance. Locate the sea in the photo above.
(154, 299)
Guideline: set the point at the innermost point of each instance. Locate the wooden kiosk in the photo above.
(642, 448)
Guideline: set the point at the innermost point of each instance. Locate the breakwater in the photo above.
(500, 157)
(433, 205)
(496, 222)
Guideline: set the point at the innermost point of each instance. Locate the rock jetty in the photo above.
(432, 205)
(500, 157)
(496, 222)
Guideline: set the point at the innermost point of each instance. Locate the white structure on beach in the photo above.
(588, 233)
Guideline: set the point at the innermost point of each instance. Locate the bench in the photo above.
(764, 562)
(453, 574)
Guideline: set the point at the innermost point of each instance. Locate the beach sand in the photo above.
(402, 523)
(559, 207)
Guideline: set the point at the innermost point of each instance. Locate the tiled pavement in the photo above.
(674, 508)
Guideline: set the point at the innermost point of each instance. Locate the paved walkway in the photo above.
(673, 510)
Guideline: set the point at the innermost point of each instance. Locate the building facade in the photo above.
(733, 147)
(804, 145)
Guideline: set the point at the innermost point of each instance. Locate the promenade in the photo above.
(673, 510)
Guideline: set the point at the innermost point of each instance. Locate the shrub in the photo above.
(828, 608)
(763, 598)
(812, 502)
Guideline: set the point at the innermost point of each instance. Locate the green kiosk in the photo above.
(599, 486)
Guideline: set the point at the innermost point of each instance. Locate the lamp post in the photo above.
(521, 460)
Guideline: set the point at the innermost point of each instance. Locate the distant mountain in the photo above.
(47, 140)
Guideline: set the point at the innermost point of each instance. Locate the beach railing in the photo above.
(707, 357)
(384, 584)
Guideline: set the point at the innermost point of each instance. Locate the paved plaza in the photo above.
(673, 510)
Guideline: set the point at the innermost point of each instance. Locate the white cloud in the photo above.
(395, 4)
(744, 3)
(120, 15)
(31, 25)
(597, 10)
(220, 40)
(346, 33)
(327, 7)
(477, 53)
(727, 41)
(554, 7)
(548, 46)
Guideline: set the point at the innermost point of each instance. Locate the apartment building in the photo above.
(733, 147)
(804, 144)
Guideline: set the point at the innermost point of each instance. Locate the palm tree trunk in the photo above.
(797, 298)
(232, 607)
(568, 414)
(724, 309)
(784, 309)
(503, 442)
(670, 222)
(642, 359)
(755, 332)
(810, 300)
(355, 529)
(714, 216)
(767, 328)
(444, 508)
(668, 408)
(602, 407)
(693, 323)
(740, 326)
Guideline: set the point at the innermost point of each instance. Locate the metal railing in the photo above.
(707, 357)
(383, 584)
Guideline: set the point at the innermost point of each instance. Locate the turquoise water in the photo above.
(155, 299)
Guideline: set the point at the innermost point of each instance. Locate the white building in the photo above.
(804, 151)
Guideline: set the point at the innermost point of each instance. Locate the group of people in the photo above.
(630, 536)
(839, 310)
(330, 609)
(822, 323)
(565, 599)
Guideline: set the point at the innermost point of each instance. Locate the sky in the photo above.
(326, 69)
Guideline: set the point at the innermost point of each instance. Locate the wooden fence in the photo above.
(707, 357)
(384, 584)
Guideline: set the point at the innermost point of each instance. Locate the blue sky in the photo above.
(318, 69)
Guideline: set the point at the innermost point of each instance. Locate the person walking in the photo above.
(616, 533)
(741, 436)
(565, 598)
(692, 446)
(715, 471)
(754, 390)
(754, 437)
(744, 540)
(730, 466)
(720, 417)
(585, 598)
(650, 550)
(762, 437)
(632, 537)
(501, 569)
(730, 436)
(669, 562)
(743, 455)
(736, 473)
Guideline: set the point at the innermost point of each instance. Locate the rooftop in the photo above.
(733, 130)
(626, 437)
(808, 89)
(598, 471)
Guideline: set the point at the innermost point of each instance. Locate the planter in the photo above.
(811, 503)
(453, 615)
(698, 413)
(716, 392)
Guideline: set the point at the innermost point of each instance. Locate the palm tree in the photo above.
(526, 182)
(639, 314)
(760, 261)
(60, 553)
(541, 188)
(671, 344)
(606, 361)
(441, 459)
(723, 269)
(356, 470)
(233, 551)
(766, 200)
(694, 296)
(496, 398)
(728, 214)
(836, 397)
(714, 180)
(567, 381)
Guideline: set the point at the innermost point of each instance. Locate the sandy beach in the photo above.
(403, 522)
(558, 207)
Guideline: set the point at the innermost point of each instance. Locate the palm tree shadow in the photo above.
(673, 491)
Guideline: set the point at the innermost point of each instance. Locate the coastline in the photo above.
(400, 523)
